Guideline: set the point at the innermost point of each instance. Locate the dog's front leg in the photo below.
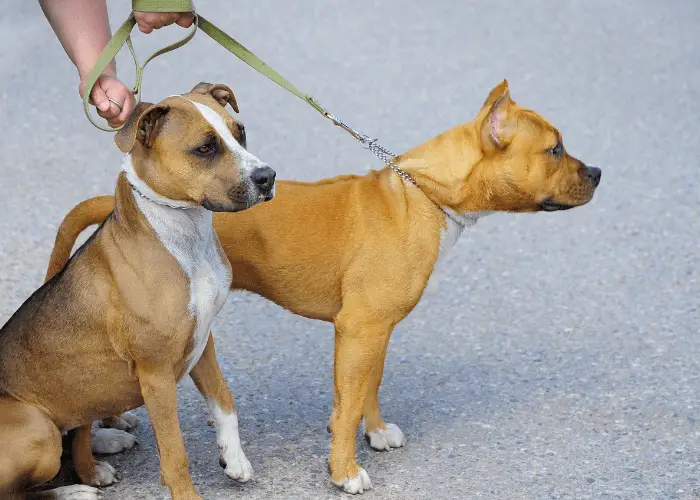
(358, 347)
(208, 378)
(159, 390)
(381, 436)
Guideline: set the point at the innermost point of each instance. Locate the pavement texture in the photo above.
(559, 356)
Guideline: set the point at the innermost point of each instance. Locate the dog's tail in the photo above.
(85, 214)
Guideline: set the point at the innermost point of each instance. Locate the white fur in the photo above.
(126, 422)
(456, 224)
(188, 235)
(246, 161)
(111, 441)
(76, 492)
(357, 484)
(237, 465)
(105, 474)
(386, 439)
(145, 189)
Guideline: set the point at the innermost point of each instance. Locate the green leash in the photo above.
(122, 36)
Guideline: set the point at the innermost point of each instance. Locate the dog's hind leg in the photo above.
(381, 436)
(30, 454)
(208, 378)
(90, 471)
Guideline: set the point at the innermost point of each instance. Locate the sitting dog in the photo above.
(129, 315)
(358, 251)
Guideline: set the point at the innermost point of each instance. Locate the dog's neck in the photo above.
(182, 227)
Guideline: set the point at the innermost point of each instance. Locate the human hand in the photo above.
(107, 87)
(148, 21)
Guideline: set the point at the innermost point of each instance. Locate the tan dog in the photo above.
(129, 315)
(358, 250)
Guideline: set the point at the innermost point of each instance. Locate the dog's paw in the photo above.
(105, 475)
(126, 422)
(75, 492)
(111, 441)
(236, 465)
(386, 439)
(358, 484)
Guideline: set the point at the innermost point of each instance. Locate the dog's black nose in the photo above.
(264, 178)
(594, 174)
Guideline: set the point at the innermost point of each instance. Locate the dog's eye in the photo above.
(205, 150)
(556, 150)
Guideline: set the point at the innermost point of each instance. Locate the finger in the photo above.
(110, 114)
(99, 98)
(169, 18)
(185, 20)
(126, 112)
(145, 27)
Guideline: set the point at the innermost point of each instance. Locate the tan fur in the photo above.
(358, 250)
(113, 330)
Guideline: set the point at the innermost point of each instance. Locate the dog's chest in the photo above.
(189, 237)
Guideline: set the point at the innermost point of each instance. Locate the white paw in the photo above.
(232, 459)
(111, 441)
(357, 484)
(236, 465)
(125, 422)
(76, 492)
(387, 438)
(104, 474)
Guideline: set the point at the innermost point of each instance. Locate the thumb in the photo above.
(99, 98)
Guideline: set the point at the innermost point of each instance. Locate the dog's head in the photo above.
(509, 159)
(189, 149)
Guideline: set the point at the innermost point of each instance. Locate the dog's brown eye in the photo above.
(557, 150)
(205, 150)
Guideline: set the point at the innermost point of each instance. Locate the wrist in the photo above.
(84, 71)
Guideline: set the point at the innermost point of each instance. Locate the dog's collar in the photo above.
(158, 202)
(407, 178)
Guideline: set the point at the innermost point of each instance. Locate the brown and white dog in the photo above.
(129, 315)
(358, 251)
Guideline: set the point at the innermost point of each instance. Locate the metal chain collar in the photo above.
(387, 158)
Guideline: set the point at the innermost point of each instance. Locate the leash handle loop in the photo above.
(123, 35)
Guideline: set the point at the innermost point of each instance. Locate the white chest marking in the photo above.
(188, 235)
(456, 224)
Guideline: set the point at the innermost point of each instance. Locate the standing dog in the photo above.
(130, 313)
(364, 249)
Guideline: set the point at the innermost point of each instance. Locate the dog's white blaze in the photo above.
(237, 465)
(456, 224)
(247, 161)
(188, 235)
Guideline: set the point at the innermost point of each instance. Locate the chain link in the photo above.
(387, 157)
(373, 146)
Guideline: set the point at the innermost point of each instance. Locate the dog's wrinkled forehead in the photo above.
(206, 112)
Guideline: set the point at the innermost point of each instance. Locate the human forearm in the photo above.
(82, 26)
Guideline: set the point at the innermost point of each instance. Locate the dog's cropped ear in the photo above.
(142, 126)
(500, 125)
(497, 92)
(219, 91)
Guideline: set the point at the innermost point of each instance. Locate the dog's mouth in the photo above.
(550, 205)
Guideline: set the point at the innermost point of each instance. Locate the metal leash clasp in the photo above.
(365, 140)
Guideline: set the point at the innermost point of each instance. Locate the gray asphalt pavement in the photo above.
(559, 356)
